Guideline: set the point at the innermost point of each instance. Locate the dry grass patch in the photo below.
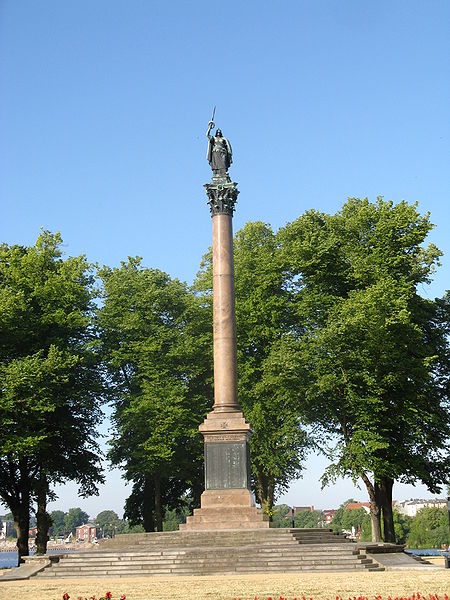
(319, 586)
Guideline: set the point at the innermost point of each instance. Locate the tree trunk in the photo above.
(197, 490)
(259, 489)
(375, 513)
(148, 505)
(42, 517)
(385, 501)
(21, 509)
(270, 498)
(158, 506)
(21, 517)
(265, 498)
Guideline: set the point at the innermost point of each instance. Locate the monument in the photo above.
(227, 502)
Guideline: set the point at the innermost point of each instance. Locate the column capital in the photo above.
(222, 194)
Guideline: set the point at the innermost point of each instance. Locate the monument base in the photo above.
(226, 509)
(227, 502)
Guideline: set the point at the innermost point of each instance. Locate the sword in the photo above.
(211, 124)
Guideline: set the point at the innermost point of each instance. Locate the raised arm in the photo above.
(211, 125)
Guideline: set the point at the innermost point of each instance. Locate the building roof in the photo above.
(356, 505)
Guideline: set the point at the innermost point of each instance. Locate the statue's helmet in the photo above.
(219, 133)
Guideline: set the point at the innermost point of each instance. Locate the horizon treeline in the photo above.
(427, 529)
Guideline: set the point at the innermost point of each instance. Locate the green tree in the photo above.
(107, 522)
(157, 345)
(352, 518)
(307, 519)
(429, 529)
(336, 522)
(74, 518)
(345, 519)
(175, 516)
(281, 516)
(372, 360)
(51, 384)
(365, 534)
(58, 524)
(402, 527)
(133, 528)
(264, 329)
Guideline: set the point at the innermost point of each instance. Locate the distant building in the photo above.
(299, 509)
(86, 532)
(412, 507)
(356, 505)
(328, 514)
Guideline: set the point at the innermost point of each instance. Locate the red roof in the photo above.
(356, 505)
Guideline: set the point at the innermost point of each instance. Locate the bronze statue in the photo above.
(219, 153)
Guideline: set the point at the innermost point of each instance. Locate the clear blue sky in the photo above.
(104, 106)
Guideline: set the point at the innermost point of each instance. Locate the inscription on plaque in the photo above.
(227, 466)
(225, 437)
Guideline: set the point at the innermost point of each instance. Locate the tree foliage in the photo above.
(174, 517)
(331, 332)
(107, 522)
(429, 529)
(49, 398)
(373, 355)
(351, 518)
(336, 522)
(74, 518)
(157, 346)
(58, 526)
(402, 527)
(281, 516)
(307, 519)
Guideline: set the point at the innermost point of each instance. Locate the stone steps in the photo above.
(214, 553)
(245, 537)
(272, 532)
(209, 524)
(187, 571)
(205, 560)
(200, 558)
(255, 561)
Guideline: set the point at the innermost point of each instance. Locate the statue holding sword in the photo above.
(219, 154)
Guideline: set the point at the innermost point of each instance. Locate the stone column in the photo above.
(227, 502)
(224, 320)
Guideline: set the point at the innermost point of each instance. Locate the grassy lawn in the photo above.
(319, 586)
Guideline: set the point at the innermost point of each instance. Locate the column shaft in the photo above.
(224, 321)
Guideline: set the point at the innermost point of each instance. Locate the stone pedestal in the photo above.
(227, 502)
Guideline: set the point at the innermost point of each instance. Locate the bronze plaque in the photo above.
(227, 466)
